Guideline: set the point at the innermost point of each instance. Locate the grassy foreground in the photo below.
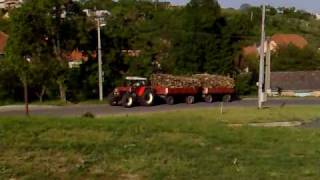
(176, 145)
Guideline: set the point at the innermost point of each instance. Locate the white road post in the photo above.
(100, 60)
(268, 69)
(261, 68)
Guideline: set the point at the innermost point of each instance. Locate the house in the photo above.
(3, 42)
(276, 41)
(286, 39)
(2, 6)
(296, 83)
(131, 53)
(247, 52)
(9, 4)
(77, 57)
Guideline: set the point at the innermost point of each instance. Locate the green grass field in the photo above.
(195, 144)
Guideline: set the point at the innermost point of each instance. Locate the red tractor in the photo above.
(136, 91)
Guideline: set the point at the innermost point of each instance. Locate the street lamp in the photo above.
(25, 84)
(99, 15)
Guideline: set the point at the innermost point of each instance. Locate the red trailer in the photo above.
(170, 95)
(220, 93)
(137, 91)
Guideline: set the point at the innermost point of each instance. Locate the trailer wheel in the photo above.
(170, 100)
(190, 100)
(127, 100)
(227, 98)
(148, 98)
(208, 98)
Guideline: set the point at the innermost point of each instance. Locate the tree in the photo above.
(292, 58)
(204, 42)
(245, 6)
(59, 28)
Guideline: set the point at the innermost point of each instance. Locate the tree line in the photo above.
(196, 38)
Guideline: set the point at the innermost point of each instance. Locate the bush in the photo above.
(245, 84)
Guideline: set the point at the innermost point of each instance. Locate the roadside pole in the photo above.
(100, 60)
(261, 67)
(26, 99)
(98, 16)
(26, 88)
(268, 69)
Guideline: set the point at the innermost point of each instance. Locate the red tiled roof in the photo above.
(76, 55)
(3, 41)
(250, 50)
(286, 39)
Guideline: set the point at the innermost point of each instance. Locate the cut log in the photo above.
(214, 81)
(198, 80)
(170, 81)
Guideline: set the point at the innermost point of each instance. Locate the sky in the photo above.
(309, 5)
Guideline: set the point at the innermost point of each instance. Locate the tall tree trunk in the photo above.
(42, 93)
(62, 90)
(57, 51)
(26, 99)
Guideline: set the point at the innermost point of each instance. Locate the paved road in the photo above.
(106, 110)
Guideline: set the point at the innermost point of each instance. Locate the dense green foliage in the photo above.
(200, 37)
(295, 59)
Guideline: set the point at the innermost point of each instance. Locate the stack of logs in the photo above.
(170, 81)
(198, 80)
(213, 81)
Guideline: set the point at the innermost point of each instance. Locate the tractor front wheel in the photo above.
(127, 100)
(112, 99)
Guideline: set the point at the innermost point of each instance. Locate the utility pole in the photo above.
(26, 99)
(98, 16)
(25, 87)
(261, 67)
(268, 68)
(100, 60)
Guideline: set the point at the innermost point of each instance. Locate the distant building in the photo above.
(2, 6)
(77, 57)
(286, 39)
(3, 42)
(132, 53)
(276, 41)
(296, 83)
(317, 16)
(9, 4)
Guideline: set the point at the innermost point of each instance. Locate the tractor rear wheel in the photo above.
(148, 98)
(127, 100)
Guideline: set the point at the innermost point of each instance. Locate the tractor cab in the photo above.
(135, 91)
(136, 81)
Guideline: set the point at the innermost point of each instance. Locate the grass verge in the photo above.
(177, 145)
